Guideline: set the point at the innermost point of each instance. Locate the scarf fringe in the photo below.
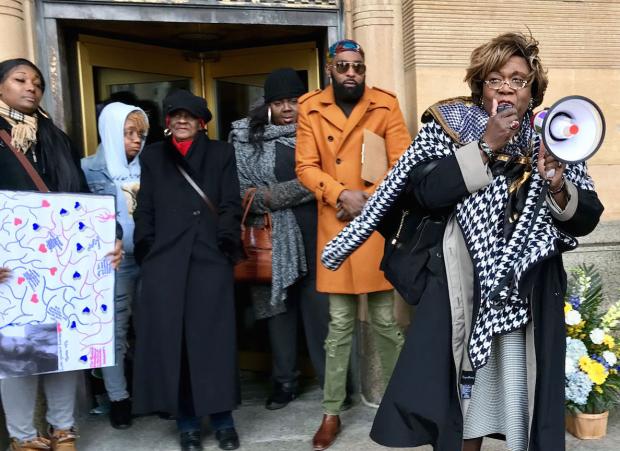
(23, 127)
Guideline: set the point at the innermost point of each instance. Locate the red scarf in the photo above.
(183, 146)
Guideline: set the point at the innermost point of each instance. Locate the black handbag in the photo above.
(411, 234)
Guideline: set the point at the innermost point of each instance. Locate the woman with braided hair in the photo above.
(484, 355)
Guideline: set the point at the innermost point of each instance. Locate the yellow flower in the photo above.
(609, 341)
(567, 307)
(595, 371)
(584, 362)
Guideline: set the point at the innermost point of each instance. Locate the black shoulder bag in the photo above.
(411, 232)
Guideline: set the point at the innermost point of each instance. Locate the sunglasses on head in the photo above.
(342, 67)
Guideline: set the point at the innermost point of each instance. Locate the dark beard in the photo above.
(348, 95)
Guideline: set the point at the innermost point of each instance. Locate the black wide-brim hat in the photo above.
(182, 99)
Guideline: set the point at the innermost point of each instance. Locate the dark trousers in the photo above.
(312, 308)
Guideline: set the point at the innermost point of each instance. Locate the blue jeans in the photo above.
(218, 421)
(19, 396)
(125, 292)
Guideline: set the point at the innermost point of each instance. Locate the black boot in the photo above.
(282, 394)
(120, 414)
(227, 439)
(190, 441)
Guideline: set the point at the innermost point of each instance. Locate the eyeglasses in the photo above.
(513, 83)
(342, 67)
(134, 134)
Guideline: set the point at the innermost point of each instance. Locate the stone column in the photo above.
(17, 42)
(17, 29)
(377, 26)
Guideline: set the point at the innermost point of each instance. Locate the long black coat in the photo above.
(421, 404)
(187, 300)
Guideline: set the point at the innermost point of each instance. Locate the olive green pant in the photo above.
(388, 338)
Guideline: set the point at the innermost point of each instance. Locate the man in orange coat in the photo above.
(330, 131)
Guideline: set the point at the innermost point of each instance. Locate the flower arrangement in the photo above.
(592, 355)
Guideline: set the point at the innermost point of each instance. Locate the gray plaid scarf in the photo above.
(23, 127)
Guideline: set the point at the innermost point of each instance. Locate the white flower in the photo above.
(597, 336)
(571, 366)
(610, 358)
(573, 318)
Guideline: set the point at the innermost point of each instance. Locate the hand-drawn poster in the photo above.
(57, 307)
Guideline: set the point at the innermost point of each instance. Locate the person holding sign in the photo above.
(115, 169)
(35, 155)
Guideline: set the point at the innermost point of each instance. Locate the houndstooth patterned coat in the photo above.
(499, 263)
(421, 403)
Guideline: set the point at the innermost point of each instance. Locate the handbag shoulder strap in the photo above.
(199, 190)
(246, 204)
(30, 170)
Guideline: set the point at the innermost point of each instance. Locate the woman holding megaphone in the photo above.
(476, 214)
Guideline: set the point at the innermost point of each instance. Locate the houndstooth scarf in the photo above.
(499, 262)
(23, 127)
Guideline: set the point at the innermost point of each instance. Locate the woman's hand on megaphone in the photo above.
(501, 126)
(551, 169)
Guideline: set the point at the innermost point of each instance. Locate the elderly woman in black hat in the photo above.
(187, 239)
(265, 149)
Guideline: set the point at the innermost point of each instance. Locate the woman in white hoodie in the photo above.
(115, 169)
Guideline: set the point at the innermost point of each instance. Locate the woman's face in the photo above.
(134, 137)
(22, 89)
(183, 125)
(284, 111)
(516, 68)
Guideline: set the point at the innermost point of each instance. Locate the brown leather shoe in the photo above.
(326, 435)
(38, 444)
(64, 439)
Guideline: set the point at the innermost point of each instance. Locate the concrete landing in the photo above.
(288, 429)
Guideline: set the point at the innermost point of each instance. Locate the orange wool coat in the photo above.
(328, 160)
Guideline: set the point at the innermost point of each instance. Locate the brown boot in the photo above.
(38, 444)
(63, 439)
(326, 435)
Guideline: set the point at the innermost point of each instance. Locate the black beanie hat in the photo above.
(283, 84)
(181, 99)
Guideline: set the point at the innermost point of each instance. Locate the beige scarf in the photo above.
(24, 127)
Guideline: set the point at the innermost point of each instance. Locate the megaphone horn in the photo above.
(573, 128)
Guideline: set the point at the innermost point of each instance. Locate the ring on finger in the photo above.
(514, 125)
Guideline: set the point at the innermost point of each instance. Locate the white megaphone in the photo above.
(572, 129)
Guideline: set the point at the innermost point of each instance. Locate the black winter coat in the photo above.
(421, 403)
(186, 304)
(58, 162)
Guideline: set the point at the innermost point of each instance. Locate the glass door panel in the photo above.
(237, 95)
(234, 80)
(134, 73)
